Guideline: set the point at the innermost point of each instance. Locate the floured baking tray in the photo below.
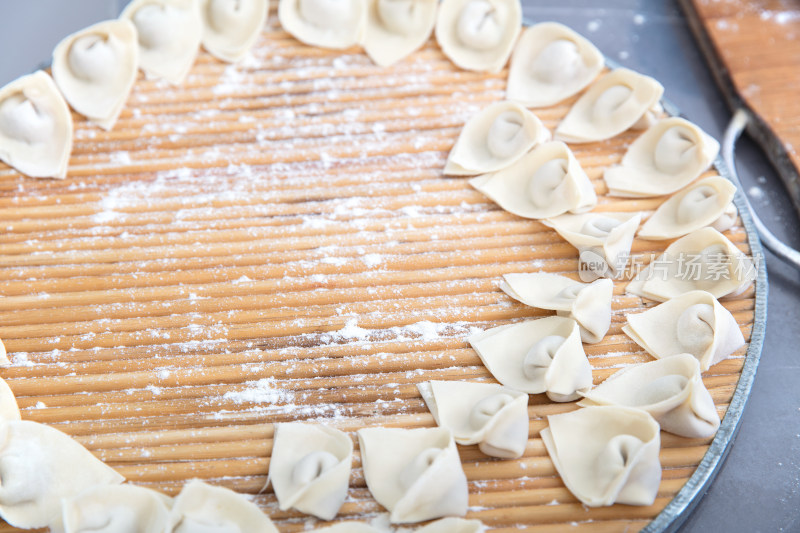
(274, 240)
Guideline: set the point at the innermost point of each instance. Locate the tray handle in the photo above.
(734, 130)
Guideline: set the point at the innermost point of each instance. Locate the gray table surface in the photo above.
(758, 487)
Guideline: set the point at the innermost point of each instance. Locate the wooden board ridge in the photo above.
(753, 48)
(274, 240)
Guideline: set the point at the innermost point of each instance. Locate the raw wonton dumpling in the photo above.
(613, 104)
(39, 466)
(349, 527)
(115, 509)
(603, 240)
(35, 129)
(415, 473)
(606, 455)
(588, 304)
(535, 356)
(395, 28)
(546, 182)
(95, 69)
(489, 415)
(203, 508)
(494, 139)
(551, 63)
(230, 27)
(453, 525)
(310, 468)
(335, 24)
(693, 323)
(478, 34)
(670, 389)
(9, 410)
(168, 33)
(705, 203)
(665, 158)
(702, 260)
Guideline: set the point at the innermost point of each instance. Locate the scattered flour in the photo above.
(780, 17)
(372, 260)
(120, 158)
(262, 391)
(756, 193)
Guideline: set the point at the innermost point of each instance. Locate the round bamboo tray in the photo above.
(274, 240)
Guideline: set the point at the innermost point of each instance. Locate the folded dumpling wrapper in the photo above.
(325, 23)
(95, 69)
(667, 157)
(603, 240)
(169, 33)
(310, 468)
(702, 260)
(670, 389)
(708, 202)
(231, 27)
(606, 455)
(489, 415)
(536, 356)
(496, 137)
(115, 509)
(39, 466)
(588, 304)
(478, 34)
(35, 129)
(693, 323)
(549, 64)
(395, 28)
(202, 507)
(618, 101)
(414, 473)
(546, 182)
(9, 410)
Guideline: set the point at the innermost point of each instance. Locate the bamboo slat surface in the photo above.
(274, 241)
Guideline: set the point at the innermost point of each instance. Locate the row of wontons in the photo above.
(608, 451)
(605, 453)
(541, 179)
(49, 479)
(95, 68)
